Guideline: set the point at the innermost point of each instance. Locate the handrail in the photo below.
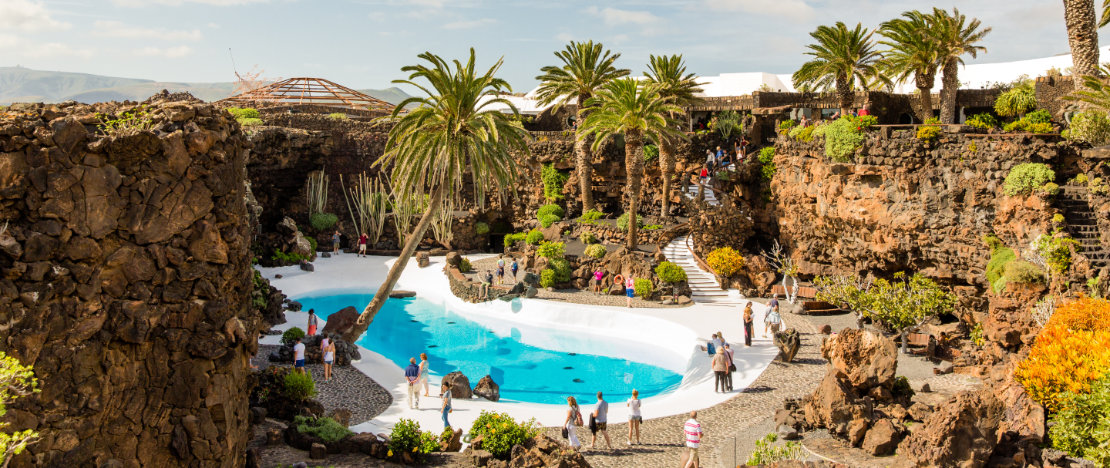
(701, 263)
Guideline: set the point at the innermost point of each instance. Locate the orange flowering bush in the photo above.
(1071, 352)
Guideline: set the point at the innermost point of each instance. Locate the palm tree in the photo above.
(638, 111)
(957, 36)
(669, 73)
(1079, 15)
(913, 52)
(586, 68)
(841, 58)
(453, 132)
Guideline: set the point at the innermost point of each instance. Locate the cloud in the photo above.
(27, 16)
(564, 37)
(140, 3)
(795, 10)
(617, 17)
(21, 47)
(470, 24)
(168, 52)
(118, 29)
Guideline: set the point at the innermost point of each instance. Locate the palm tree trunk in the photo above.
(924, 83)
(413, 241)
(584, 167)
(1082, 36)
(666, 169)
(950, 83)
(844, 94)
(634, 162)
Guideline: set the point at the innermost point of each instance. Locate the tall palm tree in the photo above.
(914, 51)
(587, 66)
(432, 148)
(638, 111)
(1079, 15)
(957, 35)
(669, 73)
(841, 58)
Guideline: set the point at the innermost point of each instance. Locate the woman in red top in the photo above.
(362, 240)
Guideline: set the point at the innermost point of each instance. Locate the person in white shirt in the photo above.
(634, 417)
(694, 435)
(298, 356)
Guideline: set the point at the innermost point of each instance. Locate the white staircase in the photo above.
(691, 192)
(703, 285)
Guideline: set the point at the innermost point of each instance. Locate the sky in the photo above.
(364, 43)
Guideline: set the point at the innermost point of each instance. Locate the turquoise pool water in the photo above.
(569, 363)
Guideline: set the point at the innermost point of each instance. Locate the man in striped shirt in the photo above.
(693, 431)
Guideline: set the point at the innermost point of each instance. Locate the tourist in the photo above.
(720, 368)
(694, 435)
(744, 147)
(736, 150)
(445, 405)
(836, 115)
(709, 159)
(329, 358)
(335, 242)
(634, 417)
(731, 365)
(324, 342)
(362, 240)
(772, 320)
(719, 340)
(601, 415)
(312, 322)
(710, 346)
(298, 356)
(513, 268)
(629, 289)
(573, 420)
(705, 175)
(500, 270)
(748, 324)
(424, 372)
(865, 110)
(598, 275)
(412, 375)
(803, 122)
(483, 290)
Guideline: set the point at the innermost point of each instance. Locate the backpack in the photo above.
(578, 418)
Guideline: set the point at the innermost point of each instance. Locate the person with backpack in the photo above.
(513, 268)
(601, 418)
(574, 420)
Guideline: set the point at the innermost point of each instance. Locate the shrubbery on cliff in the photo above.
(725, 261)
(1023, 179)
(1091, 127)
(1071, 352)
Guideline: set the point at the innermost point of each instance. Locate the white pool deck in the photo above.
(673, 335)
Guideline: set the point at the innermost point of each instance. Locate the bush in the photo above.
(801, 133)
(842, 138)
(243, 113)
(1082, 427)
(550, 209)
(1051, 189)
(985, 121)
(547, 278)
(767, 161)
(587, 238)
(766, 453)
(643, 288)
(1039, 121)
(1055, 250)
(996, 267)
(534, 237)
(1090, 126)
(298, 386)
(669, 272)
(725, 261)
(324, 428)
(650, 153)
(548, 219)
(512, 239)
(928, 134)
(500, 432)
(465, 266)
(288, 258)
(337, 116)
(902, 387)
(550, 250)
(1069, 354)
(291, 335)
(591, 217)
(596, 251)
(1024, 178)
(622, 222)
(786, 125)
(249, 122)
(407, 437)
(321, 221)
(1015, 102)
(553, 181)
(1057, 218)
(481, 228)
(653, 227)
(561, 267)
(1021, 271)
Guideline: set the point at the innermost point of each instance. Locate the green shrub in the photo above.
(548, 219)
(1090, 126)
(1021, 271)
(551, 209)
(550, 250)
(481, 228)
(337, 116)
(561, 267)
(288, 257)
(864, 122)
(313, 244)
(643, 288)
(1024, 178)
(669, 272)
(1082, 427)
(928, 134)
(587, 238)
(324, 428)
(1056, 251)
(534, 237)
(596, 251)
(1080, 179)
(250, 122)
(553, 181)
(622, 222)
(1040, 128)
(1051, 189)
(465, 266)
(299, 387)
(500, 432)
(547, 278)
(291, 335)
(512, 239)
(767, 160)
(1039, 121)
(591, 217)
(322, 221)
(996, 267)
(244, 113)
(1038, 116)
(407, 437)
(1058, 218)
(786, 125)
(842, 138)
(1015, 102)
(985, 121)
(766, 453)
(650, 153)
(801, 133)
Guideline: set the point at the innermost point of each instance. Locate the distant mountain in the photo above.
(19, 84)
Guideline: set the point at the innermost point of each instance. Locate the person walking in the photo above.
(298, 356)
(329, 358)
(694, 435)
(362, 240)
(634, 417)
(731, 366)
(748, 324)
(573, 420)
(424, 364)
(412, 376)
(598, 275)
(601, 416)
(313, 322)
(720, 368)
(445, 404)
(513, 268)
(629, 289)
(335, 242)
(500, 270)
(772, 320)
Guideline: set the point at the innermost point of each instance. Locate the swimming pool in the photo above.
(529, 364)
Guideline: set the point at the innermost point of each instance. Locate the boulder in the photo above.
(453, 259)
(459, 385)
(788, 343)
(531, 292)
(258, 414)
(882, 438)
(453, 444)
(341, 322)
(307, 266)
(488, 389)
(401, 294)
(423, 260)
(317, 451)
(865, 358)
(961, 432)
(341, 416)
(835, 405)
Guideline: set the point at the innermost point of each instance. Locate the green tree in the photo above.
(915, 52)
(586, 68)
(842, 58)
(16, 380)
(637, 111)
(957, 35)
(901, 305)
(681, 88)
(451, 134)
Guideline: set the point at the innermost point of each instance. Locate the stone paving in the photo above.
(348, 388)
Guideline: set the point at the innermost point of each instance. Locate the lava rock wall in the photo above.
(125, 283)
